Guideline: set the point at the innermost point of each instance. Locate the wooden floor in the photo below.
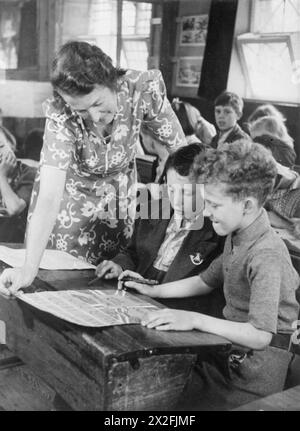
(21, 390)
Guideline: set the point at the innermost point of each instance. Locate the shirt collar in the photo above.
(183, 223)
(253, 231)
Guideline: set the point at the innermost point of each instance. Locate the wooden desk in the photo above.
(126, 367)
(283, 401)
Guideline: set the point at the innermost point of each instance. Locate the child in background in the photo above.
(272, 133)
(257, 276)
(266, 110)
(228, 110)
(194, 126)
(16, 182)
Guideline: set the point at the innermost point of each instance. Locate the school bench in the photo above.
(125, 367)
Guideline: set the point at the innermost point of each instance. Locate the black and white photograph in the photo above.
(188, 71)
(149, 209)
(193, 30)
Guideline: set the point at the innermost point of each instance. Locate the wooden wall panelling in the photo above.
(170, 13)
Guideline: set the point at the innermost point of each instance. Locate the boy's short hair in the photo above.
(246, 168)
(182, 160)
(231, 99)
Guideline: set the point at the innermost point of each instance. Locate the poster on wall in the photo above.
(193, 30)
(188, 71)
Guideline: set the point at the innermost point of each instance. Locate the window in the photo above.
(276, 16)
(136, 20)
(18, 38)
(120, 28)
(268, 54)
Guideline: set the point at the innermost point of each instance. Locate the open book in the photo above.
(93, 308)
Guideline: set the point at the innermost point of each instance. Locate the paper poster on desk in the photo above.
(92, 308)
(52, 259)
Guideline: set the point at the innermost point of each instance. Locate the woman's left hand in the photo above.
(167, 319)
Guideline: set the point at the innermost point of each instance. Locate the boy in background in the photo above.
(16, 182)
(228, 110)
(256, 274)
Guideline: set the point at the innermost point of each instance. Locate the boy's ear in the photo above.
(250, 205)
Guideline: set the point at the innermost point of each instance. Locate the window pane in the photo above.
(136, 18)
(136, 22)
(277, 16)
(10, 18)
(134, 54)
(94, 21)
(270, 71)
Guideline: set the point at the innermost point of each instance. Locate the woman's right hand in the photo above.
(108, 269)
(14, 279)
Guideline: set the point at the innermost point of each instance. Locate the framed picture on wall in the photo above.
(193, 30)
(188, 71)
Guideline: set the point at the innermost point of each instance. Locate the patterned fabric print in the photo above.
(100, 174)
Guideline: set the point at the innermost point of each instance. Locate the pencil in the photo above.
(93, 281)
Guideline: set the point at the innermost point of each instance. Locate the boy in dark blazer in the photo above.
(176, 247)
(228, 110)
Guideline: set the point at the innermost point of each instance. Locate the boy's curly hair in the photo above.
(246, 168)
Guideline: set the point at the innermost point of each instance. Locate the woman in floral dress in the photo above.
(83, 199)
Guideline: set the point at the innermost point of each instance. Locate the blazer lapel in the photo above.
(155, 239)
(192, 254)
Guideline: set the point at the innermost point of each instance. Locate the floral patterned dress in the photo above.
(97, 210)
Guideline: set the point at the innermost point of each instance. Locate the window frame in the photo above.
(263, 38)
(45, 30)
(253, 23)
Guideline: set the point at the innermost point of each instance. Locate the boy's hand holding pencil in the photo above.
(133, 280)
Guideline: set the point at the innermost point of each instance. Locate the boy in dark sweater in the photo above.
(228, 110)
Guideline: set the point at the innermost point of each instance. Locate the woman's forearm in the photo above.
(39, 229)
(43, 217)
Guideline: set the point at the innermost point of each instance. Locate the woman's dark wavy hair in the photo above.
(246, 168)
(79, 66)
(182, 160)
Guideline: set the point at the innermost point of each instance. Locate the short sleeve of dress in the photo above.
(159, 117)
(213, 275)
(59, 139)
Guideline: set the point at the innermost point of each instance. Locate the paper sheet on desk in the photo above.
(52, 259)
(92, 308)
